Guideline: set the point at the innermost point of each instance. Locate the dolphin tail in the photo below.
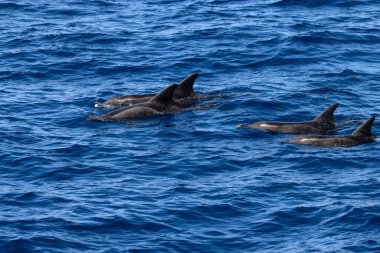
(186, 85)
(365, 128)
(327, 116)
(166, 95)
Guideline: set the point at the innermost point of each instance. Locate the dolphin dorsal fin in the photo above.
(165, 95)
(185, 87)
(365, 128)
(327, 115)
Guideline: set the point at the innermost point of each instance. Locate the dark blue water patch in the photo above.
(192, 181)
(121, 69)
(344, 73)
(37, 243)
(318, 3)
(11, 6)
(287, 3)
(333, 37)
(281, 59)
(68, 12)
(305, 26)
(66, 173)
(356, 219)
(369, 248)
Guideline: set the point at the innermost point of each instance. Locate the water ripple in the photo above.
(191, 181)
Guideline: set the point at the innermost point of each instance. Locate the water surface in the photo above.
(192, 181)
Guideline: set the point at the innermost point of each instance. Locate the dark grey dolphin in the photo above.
(360, 136)
(183, 95)
(323, 124)
(160, 104)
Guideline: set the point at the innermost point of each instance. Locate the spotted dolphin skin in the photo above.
(120, 101)
(183, 95)
(160, 104)
(322, 124)
(360, 136)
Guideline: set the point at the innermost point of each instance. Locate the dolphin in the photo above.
(120, 101)
(322, 124)
(160, 104)
(361, 135)
(183, 95)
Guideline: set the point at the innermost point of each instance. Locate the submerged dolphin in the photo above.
(360, 136)
(323, 124)
(183, 95)
(160, 104)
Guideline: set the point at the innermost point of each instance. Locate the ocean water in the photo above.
(192, 181)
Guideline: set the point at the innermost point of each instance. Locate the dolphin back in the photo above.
(165, 96)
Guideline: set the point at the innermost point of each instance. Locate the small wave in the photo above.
(35, 243)
(334, 37)
(107, 3)
(10, 5)
(281, 60)
(305, 3)
(343, 73)
(207, 213)
(68, 12)
(110, 40)
(66, 173)
(107, 224)
(73, 36)
(304, 25)
(332, 90)
(317, 37)
(357, 218)
(16, 245)
(372, 246)
(317, 3)
(297, 216)
(27, 196)
(122, 69)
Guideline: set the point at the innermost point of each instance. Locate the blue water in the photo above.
(192, 181)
